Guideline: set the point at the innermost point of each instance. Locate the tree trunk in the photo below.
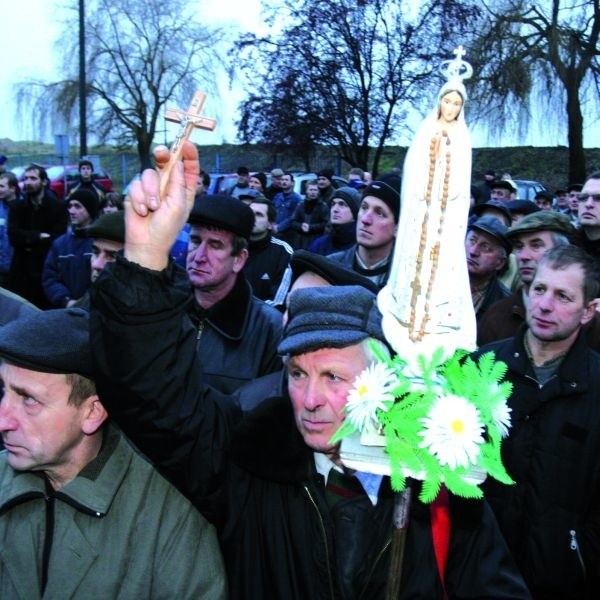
(577, 168)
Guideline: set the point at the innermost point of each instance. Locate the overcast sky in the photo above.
(28, 37)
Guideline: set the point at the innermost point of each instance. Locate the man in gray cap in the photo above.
(487, 249)
(80, 509)
(531, 238)
(263, 479)
(237, 334)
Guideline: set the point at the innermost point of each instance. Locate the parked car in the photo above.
(60, 175)
(527, 189)
(221, 182)
(302, 179)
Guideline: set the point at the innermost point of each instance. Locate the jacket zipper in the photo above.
(48, 537)
(574, 545)
(377, 559)
(200, 330)
(312, 500)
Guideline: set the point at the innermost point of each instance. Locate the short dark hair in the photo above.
(81, 388)
(563, 256)
(271, 210)
(290, 174)
(11, 179)
(41, 171)
(111, 199)
(84, 162)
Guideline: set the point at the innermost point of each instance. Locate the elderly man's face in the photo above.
(485, 256)
(40, 429)
(318, 383)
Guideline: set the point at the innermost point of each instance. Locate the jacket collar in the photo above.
(92, 491)
(573, 372)
(229, 316)
(257, 245)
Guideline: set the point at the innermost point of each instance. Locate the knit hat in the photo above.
(261, 177)
(108, 226)
(387, 188)
(543, 220)
(332, 271)
(330, 317)
(51, 341)
(223, 212)
(327, 173)
(88, 199)
(494, 227)
(350, 196)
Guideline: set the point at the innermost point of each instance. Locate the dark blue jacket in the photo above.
(66, 274)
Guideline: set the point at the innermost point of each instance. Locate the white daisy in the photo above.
(452, 431)
(372, 390)
(501, 416)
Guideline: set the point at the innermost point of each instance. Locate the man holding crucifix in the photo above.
(262, 479)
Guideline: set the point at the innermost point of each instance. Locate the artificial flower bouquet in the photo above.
(441, 421)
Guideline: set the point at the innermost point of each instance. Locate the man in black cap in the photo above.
(86, 181)
(376, 227)
(325, 183)
(487, 249)
(33, 225)
(544, 200)
(263, 478)
(237, 334)
(66, 274)
(242, 183)
(503, 190)
(80, 509)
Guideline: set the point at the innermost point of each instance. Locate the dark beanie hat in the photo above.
(223, 212)
(51, 341)
(330, 317)
(330, 270)
(109, 226)
(328, 173)
(387, 188)
(88, 199)
(350, 196)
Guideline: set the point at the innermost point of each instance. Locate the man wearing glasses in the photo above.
(589, 215)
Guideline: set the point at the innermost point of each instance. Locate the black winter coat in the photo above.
(551, 517)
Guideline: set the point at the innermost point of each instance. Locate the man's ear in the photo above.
(590, 311)
(240, 260)
(94, 416)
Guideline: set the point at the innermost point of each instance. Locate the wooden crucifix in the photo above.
(189, 120)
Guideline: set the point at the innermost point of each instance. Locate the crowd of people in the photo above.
(167, 419)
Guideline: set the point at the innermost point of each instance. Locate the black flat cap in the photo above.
(333, 272)
(224, 212)
(51, 341)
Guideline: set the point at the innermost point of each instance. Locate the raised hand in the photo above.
(152, 223)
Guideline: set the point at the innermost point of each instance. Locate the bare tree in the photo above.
(141, 54)
(541, 56)
(343, 72)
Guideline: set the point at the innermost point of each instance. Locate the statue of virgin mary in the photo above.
(426, 303)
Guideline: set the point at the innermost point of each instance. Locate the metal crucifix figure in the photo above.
(189, 120)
